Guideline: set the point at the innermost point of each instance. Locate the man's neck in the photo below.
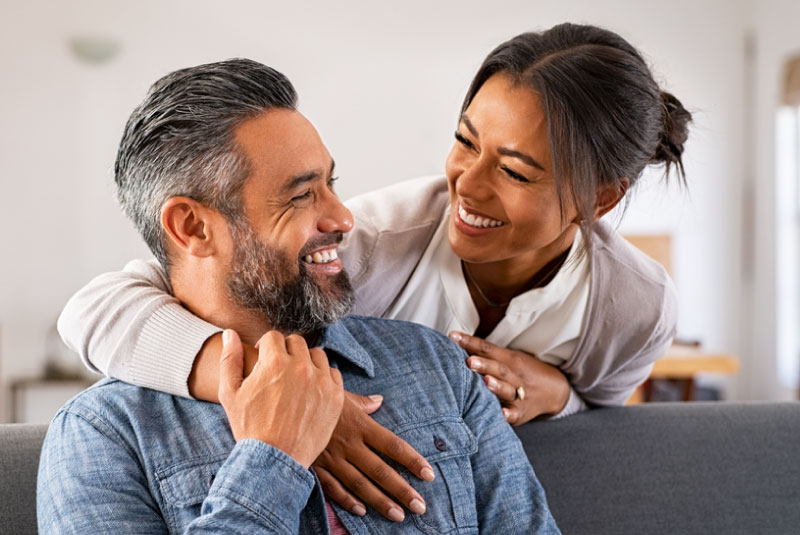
(217, 308)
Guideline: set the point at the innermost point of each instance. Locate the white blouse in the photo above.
(545, 322)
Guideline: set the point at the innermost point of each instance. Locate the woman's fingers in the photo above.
(397, 449)
(335, 491)
(512, 415)
(384, 475)
(478, 346)
(486, 366)
(362, 487)
(506, 392)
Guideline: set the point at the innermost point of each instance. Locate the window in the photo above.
(787, 224)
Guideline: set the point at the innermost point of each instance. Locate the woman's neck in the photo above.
(503, 280)
(493, 285)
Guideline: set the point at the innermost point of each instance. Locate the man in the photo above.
(231, 188)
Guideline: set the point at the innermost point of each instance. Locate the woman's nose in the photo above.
(473, 182)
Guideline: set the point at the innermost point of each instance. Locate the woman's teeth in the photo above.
(476, 221)
(321, 257)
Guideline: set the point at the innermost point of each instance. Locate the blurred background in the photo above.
(383, 83)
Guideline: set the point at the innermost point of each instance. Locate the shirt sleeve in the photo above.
(518, 505)
(575, 404)
(127, 325)
(90, 482)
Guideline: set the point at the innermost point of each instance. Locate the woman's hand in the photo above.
(350, 466)
(544, 388)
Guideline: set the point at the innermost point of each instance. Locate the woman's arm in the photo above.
(126, 325)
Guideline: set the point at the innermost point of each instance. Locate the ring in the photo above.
(520, 393)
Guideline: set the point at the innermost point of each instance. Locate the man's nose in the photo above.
(335, 216)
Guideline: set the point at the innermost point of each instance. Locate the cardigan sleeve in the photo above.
(127, 325)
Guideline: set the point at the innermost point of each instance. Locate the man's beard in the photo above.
(262, 279)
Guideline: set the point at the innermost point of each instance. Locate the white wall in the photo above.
(776, 25)
(382, 82)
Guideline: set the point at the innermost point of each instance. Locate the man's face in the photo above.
(285, 262)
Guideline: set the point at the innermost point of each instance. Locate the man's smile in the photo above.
(322, 256)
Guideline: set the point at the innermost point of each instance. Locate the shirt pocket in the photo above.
(447, 444)
(184, 486)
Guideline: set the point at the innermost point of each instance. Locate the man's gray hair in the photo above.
(180, 141)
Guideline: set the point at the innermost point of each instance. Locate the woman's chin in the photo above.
(472, 250)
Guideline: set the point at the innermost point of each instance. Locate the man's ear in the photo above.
(190, 225)
(608, 195)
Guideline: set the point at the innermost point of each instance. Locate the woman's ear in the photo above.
(189, 226)
(608, 195)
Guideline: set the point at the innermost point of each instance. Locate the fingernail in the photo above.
(226, 337)
(358, 510)
(377, 398)
(505, 413)
(417, 506)
(455, 336)
(427, 474)
(491, 382)
(396, 514)
(475, 364)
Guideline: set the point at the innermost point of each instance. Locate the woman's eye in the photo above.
(464, 141)
(332, 181)
(513, 174)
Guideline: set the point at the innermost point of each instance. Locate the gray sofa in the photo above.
(704, 468)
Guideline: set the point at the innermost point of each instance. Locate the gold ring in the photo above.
(520, 394)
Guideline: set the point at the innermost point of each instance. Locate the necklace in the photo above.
(543, 280)
(492, 304)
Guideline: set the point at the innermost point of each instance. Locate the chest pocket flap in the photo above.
(440, 439)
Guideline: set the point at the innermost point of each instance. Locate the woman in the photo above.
(508, 254)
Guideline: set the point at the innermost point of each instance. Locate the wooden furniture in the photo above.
(682, 364)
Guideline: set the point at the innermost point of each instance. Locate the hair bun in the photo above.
(674, 134)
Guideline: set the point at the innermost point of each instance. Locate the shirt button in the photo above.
(440, 444)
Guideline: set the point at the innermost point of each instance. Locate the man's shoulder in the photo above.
(409, 341)
(109, 402)
(381, 326)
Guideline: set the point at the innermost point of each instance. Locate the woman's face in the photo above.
(503, 195)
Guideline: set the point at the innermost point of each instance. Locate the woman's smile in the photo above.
(475, 220)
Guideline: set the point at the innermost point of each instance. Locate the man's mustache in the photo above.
(331, 238)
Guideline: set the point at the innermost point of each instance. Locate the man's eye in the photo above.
(304, 196)
(464, 141)
(332, 181)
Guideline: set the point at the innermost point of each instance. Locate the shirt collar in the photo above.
(337, 338)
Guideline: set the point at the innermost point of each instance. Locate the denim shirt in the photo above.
(120, 458)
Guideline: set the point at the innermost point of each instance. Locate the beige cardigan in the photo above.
(127, 325)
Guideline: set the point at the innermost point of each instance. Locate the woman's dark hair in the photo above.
(606, 117)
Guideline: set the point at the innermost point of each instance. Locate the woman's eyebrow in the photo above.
(522, 156)
(502, 150)
(469, 125)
